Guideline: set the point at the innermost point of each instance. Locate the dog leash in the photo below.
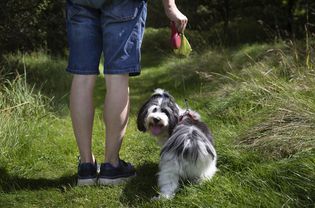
(187, 112)
(184, 89)
(187, 105)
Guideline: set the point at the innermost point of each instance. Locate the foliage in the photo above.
(41, 23)
(32, 25)
(280, 19)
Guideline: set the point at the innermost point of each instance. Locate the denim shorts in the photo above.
(116, 30)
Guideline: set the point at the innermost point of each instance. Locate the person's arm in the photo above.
(175, 15)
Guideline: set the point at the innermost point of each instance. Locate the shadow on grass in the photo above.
(143, 187)
(9, 183)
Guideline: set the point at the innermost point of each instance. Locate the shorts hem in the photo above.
(82, 72)
(131, 72)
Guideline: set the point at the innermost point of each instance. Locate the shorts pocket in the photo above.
(81, 14)
(72, 11)
(121, 10)
(96, 4)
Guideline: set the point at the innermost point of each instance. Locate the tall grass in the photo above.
(45, 72)
(21, 111)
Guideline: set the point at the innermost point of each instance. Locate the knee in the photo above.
(116, 83)
(84, 80)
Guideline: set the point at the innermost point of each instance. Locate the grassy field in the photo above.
(258, 100)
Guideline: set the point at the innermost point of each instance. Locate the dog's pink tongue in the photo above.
(155, 130)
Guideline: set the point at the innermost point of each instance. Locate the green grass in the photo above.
(257, 99)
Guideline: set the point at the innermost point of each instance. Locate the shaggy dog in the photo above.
(187, 145)
(188, 154)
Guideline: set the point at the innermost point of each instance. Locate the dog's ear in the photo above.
(142, 114)
(173, 120)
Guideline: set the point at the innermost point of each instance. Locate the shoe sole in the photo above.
(116, 181)
(87, 182)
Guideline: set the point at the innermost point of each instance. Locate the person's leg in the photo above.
(122, 59)
(85, 48)
(82, 114)
(116, 112)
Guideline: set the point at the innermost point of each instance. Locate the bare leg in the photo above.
(116, 112)
(82, 113)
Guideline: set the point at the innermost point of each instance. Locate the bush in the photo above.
(32, 25)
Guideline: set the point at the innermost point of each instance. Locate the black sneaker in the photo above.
(110, 175)
(87, 174)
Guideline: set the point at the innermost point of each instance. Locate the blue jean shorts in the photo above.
(116, 30)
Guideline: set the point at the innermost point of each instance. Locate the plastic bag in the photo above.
(184, 49)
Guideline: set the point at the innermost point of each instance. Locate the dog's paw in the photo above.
(163, 197)
(155, 198)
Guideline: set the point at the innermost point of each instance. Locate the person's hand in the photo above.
(176, 16)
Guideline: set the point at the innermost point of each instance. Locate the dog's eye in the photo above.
(154, 110)
(165, 111)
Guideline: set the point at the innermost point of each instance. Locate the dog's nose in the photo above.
(156, 120)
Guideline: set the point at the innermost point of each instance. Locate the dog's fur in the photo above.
(187, 145)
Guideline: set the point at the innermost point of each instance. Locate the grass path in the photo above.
(41, 172)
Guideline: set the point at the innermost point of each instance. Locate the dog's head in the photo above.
(159, 114)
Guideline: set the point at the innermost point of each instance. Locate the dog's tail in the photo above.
(189, 143)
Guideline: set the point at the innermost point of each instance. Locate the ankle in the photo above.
(89, 159)
(113, 162)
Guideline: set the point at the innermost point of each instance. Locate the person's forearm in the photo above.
(168, 4)
(174, 14)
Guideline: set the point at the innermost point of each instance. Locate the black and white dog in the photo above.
(188, 154)
(187, 145)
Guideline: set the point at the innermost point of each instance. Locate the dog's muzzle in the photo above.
(156, 125)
